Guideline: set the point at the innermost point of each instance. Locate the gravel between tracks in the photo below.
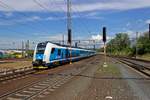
(11, 85)
(94, 83)
(15, 65)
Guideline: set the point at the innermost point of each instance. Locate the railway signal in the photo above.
(104, 40)
(69, 36)
(104, 34)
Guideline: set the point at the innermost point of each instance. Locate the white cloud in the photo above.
(131, 33)
(55, 37)
(99, 37)
(147, 21)
(59, 5)
(114, 5)
(13, 21)
(14, 42)
(30, 5)
(128, 24)
(96, 37)
(8, 14)
(92, 15)
(21, 20)
(54, 18)
(28, 19)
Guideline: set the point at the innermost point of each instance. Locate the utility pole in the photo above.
(136, 52)
(69, 28)
(22, 49)
(27, 47)
(63, 39)
(94, 44)
(111, 47)
(149, 31)
(76, 44)
(13, 45)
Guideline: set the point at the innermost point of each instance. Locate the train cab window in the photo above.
(41, 48)
(53, 49)
(59, 52)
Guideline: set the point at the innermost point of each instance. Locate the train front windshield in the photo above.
(41, 48)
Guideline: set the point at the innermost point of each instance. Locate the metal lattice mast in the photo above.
(69, 28)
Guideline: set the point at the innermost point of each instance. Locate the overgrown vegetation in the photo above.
(143, 44)
(27, 54)
(122, 45)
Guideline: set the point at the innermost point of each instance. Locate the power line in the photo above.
(9, 7)
(84, 24)
(65, 11)
(43, 7)
(80, 23)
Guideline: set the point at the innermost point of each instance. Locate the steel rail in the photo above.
(141, 68)
(15, 73)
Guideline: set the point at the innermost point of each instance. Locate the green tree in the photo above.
(143, 44)
(120, 45)
(30, 53)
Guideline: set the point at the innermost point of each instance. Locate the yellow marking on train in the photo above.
(40, 67)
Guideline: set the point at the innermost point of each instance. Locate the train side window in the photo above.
(59, 52)
(53, 49)
(67, 53)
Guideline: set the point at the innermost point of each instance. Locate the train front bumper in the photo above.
(39, 65)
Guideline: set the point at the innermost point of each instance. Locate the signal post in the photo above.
(104, 40)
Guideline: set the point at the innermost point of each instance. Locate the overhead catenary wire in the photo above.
(45, 8)
(8, 29)
(84, 25)
(22, 14)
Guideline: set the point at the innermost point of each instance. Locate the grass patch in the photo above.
(111, 69)
(145, 57)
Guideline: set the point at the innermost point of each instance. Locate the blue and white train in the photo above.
(48, 54)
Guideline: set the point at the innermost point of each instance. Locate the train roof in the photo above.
(58, 44)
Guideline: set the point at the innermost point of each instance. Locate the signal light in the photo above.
(104, 34)
(69, 36)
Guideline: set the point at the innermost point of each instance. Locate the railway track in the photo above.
(15, 73)
(140, 65)
(43, 86)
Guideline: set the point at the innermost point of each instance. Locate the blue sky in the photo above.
(26, 19)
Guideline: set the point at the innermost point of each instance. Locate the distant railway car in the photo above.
(48, 54)
(1, 55)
